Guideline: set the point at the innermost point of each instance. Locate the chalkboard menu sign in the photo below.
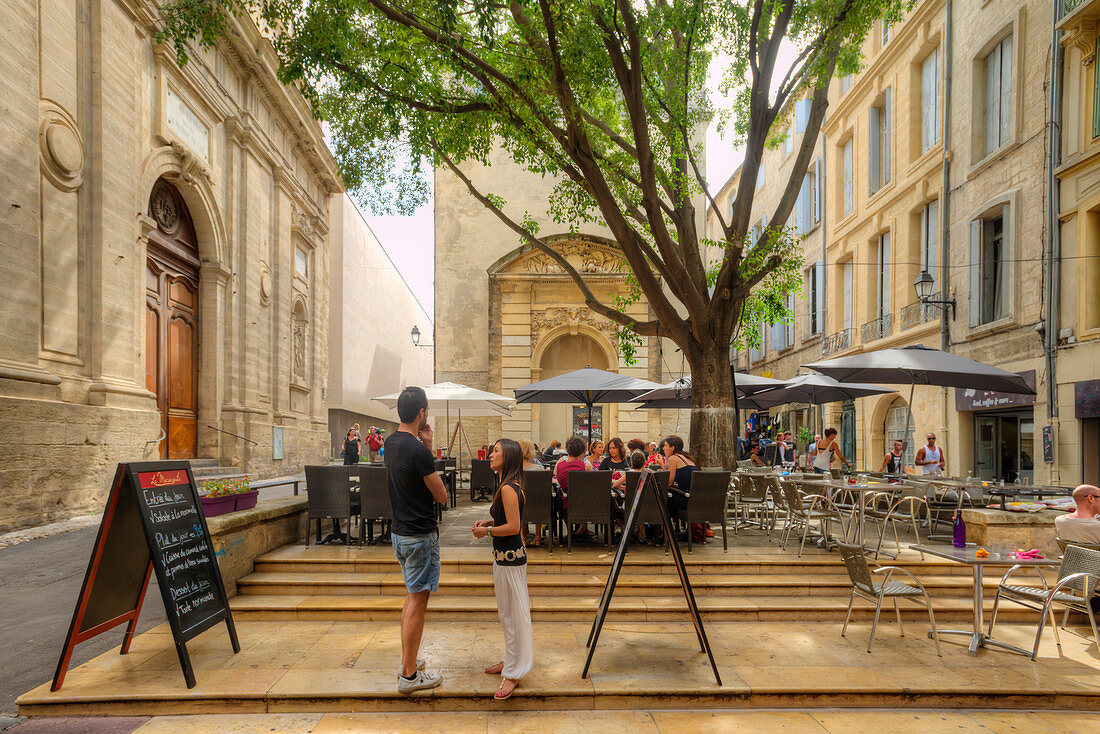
(153, 523)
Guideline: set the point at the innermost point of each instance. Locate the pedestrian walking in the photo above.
(414, 488)
(351, 447)
(509, 567)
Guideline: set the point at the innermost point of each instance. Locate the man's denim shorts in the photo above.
(419, 559)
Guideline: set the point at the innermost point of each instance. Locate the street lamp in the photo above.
(415, 334)
(925, 285)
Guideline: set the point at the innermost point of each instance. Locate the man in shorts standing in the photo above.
(414, 488)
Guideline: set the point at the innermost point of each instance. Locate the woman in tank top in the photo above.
(509, 567)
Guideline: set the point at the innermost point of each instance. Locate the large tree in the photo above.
(609, 97)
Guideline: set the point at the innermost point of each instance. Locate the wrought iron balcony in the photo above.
(837, 342)
(919, 313)
(877, 329)
(1068, 6)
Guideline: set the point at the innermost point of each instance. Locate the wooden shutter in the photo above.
(885, 281)
(815, 192)
(1005, 92)
(801, 115)
(819, 295)
(974, 296)
(886, 142)
(1004, 265)
(849, 176)
(1096, 93)
(931, 252)
(848, 305)
(930, 79)
(873, 152)
(992, 100)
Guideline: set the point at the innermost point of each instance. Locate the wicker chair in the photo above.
(538, 507)
(589, 500)
(819, 509)
(865, 587)
(374, 496)
(707, 502)
(483, 481)
(1063, 543)
(1077, 586)
(328, 494)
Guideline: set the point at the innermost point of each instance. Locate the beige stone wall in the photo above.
(94, 114)
(499, 306)
(373, 312)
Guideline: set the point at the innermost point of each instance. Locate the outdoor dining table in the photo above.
(968, 556)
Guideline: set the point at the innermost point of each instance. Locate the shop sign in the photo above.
(1086, 399)
(1048, 444)
(991, 400)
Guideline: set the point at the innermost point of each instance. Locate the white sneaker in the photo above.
(421, 681)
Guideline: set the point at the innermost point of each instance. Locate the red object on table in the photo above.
(439, 453)
(481, 454)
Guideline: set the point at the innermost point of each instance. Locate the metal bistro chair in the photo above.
(483, 481)
(752, 498)
(1077, 586)
(374, 498)
(865, 587)
(328, 495)
(447, 469)
(908, 510)
(820, 509)
(943, 503)
(589, 500)
(706, 502)
(538, 507)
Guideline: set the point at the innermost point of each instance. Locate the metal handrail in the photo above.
(154, 441)
(234, 435)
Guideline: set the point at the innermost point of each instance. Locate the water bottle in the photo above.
(960, 530)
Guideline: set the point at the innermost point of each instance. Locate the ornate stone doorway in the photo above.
(171, 321)
(566, 353)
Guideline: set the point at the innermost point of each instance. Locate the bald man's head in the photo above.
(1087, 496)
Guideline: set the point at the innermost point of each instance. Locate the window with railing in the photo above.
(919, 313)
(837, 342)
(880, 328)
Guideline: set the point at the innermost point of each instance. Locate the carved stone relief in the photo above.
(546, 320)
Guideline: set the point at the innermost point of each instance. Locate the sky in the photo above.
(410, 240)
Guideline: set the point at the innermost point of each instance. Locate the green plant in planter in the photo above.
(804, 435)
(226, 487)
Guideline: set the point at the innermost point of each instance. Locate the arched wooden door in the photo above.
(171, 321)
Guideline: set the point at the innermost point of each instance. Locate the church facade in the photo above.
(507, 315)
(164, 240)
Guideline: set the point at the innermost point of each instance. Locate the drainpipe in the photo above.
(945, 195)
(822, 209)
(1053, 244)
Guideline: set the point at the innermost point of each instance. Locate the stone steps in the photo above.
(363, 583)
(482, 608)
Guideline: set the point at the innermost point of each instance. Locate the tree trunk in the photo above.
(713, 416)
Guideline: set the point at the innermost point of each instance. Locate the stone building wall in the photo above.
(95, 114)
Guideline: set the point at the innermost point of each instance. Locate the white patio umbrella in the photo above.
(445, 396)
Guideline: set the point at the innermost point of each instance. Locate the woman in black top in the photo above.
(509, 567)
(616, 459)
(351, 447)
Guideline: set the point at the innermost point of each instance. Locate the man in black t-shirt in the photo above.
(414, 488)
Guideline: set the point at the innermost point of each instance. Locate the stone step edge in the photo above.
(441, 700)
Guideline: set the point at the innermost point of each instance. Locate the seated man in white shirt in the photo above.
(1083, 524)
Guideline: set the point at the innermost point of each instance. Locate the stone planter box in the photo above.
(241, 536)
(1001, 529)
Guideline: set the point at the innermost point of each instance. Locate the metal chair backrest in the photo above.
(328, 490)
(374, 493)
(836, 473)
(793, 498)
(744, 464)
(754, 488)
(589, 496)
(648, 511)
(1076, 559)
(538, 491)
(481, 476)
(1063, 544)
(708, 496)
(770, 453)
(859, 570)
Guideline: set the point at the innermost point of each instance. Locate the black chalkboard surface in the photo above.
(153, 523)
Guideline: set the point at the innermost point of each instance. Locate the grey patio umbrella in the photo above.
(588, 386)
(816, 390)
(679, 391)
(917, 364)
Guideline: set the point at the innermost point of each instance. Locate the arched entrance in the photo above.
(171, 320)
(566, 353)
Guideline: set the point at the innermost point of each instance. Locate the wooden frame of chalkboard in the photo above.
(153, 523)
(647, 480)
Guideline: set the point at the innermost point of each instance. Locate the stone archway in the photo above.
(566, 352)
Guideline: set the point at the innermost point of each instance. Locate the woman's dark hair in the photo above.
(511, 468)
(410, 402)
(618, 444)
(677, 445)
(830, 432)
(347, 436)
(574, 446)
(637, 459)
(635, 444)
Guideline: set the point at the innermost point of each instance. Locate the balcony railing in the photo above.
(877, 329)
(837, 342)
(1068, 6)
(919, 313)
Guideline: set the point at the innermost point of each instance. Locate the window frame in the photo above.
(997, 94)
(930, 103)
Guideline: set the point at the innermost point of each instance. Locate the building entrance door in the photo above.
(171, 321)
(1005, 446)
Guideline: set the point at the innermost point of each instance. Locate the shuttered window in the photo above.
(885, 282)
(879, 143)
(998, 96)
(846, 269)
(1096, 93)
(807, 210)
(815, 280)
(930, 238)
(990, 266)
(849, 176)
(930, 101)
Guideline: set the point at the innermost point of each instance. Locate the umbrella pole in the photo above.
(908, 427)
(590, 426)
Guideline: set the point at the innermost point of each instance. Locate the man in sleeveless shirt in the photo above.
(930, 457)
